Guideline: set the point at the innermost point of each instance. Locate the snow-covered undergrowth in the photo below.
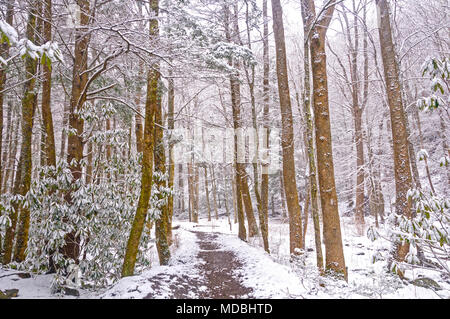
(184, 261)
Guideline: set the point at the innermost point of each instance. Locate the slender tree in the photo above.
(264, 213)
(170, 126)
(4, 53)
(402, 171)
(312, 185)
(235, 103)
(334, 253)
(23, 182)
(287, 132)
(47, 118)
(151, 104)
(159, 157)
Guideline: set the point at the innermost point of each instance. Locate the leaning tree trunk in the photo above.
(402, 172)
(147, 163)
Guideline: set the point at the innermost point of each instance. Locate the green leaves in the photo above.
(437, 70)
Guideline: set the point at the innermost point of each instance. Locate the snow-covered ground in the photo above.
(268, 276)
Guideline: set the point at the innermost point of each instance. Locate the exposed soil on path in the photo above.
(218, 269)
(217, 278)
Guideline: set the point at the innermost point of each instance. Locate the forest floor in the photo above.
(210, 261)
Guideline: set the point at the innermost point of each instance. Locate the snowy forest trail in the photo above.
(210, 264)
(216, 278)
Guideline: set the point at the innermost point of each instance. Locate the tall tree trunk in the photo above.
(357, 111)
(75, 143)
(287, 133)
(245, 193)
(47, 118)
(159, 157)
(264, 212)
(4, 53)
(28, 108)
(334, 253)
(236, 105)
(170, 126)
(151, 104)
(251, 86)
(312, 185)
(402, 172)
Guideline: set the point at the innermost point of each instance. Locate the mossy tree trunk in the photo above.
(151, 105)
(28, 108)
(47, 118)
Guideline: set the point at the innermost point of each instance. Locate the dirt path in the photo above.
(217, 278)
(218, 269)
